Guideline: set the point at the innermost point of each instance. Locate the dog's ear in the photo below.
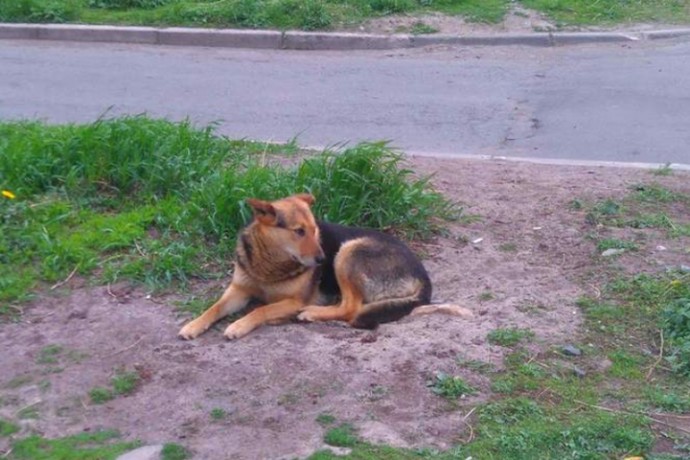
(306, 197)
(263, 211)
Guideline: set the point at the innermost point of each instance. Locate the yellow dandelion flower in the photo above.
(9, 195)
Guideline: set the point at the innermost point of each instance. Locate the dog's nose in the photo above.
(319, 260)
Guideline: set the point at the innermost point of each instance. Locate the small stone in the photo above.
(152, 452)
(571, 350)
(612, 252)
(337, 451)
(685, 268)
(477, 240)
(579, 372)
(661, 248)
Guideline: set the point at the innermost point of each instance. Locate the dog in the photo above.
(292, 264)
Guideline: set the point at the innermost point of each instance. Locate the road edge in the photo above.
(297, 40)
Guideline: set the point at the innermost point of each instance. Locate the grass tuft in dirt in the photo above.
(172, 451)
(7, 428)
(343, 435)
(160, 202)
(101, 445)
(509, 337)
(450, 387)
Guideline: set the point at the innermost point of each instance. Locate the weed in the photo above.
(476, 365)
(218, 414)
(49, 354)
(625, 365)
(614, 243)
(325, 419)
(19, 381)
(420, 28)
(675, 320)
(124, 383)
(30, 412)
(7, 428)
(486, 296)
(509, 337)
(343, 435)
(508, 247)
(664, 170)
(172, 451)
(100, 395)
(84, 446)
(450, 387)
(667, 399)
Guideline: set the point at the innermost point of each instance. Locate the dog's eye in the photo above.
(299, 232)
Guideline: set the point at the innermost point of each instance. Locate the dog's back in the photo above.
(389, 277)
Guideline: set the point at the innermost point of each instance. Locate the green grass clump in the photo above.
(124, 383)
(55, 11)
(343, 435)
(161, 202)
(450, 387)
(172, 451)
(615, 243)
(218, 414)
(49, 354)
(509, 337)
(7, 428)
(325, 419)
(579, 12)
(648, 206)
(85, 446)
(100, 395)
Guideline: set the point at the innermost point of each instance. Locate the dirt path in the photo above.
(520, 265)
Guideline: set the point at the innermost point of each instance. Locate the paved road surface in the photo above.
(595, 102)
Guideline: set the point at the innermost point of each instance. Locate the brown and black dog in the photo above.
(291, 263)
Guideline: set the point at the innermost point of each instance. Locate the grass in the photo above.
(102, 445)
(218, 414)
(7, 428)
(172, 451)
(647, 206)
(49, 354)
(450, 387)
(341, 436)
(581, 12)
(509, 337)
(328, 14)
(133, 197)
(615, 243)
(123, 383)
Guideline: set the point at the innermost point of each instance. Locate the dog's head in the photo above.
(289, 225)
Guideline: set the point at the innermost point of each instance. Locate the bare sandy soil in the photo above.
(518, 20)
(529, 250)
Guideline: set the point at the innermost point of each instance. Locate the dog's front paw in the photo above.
(308, 314)
(237, 330)
(191, 330)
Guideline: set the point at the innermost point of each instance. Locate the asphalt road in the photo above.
(627, 103)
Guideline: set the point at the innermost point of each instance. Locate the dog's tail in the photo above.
(446, 308)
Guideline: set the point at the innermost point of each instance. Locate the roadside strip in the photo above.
(295, 40)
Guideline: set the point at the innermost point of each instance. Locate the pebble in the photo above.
(571, 350)
(612, 252)
(152, 452)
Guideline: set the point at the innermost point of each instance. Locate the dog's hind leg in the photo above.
(350, 306)
(233, 299)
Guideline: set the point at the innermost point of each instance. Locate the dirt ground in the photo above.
(528, 249)
(518, 20)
